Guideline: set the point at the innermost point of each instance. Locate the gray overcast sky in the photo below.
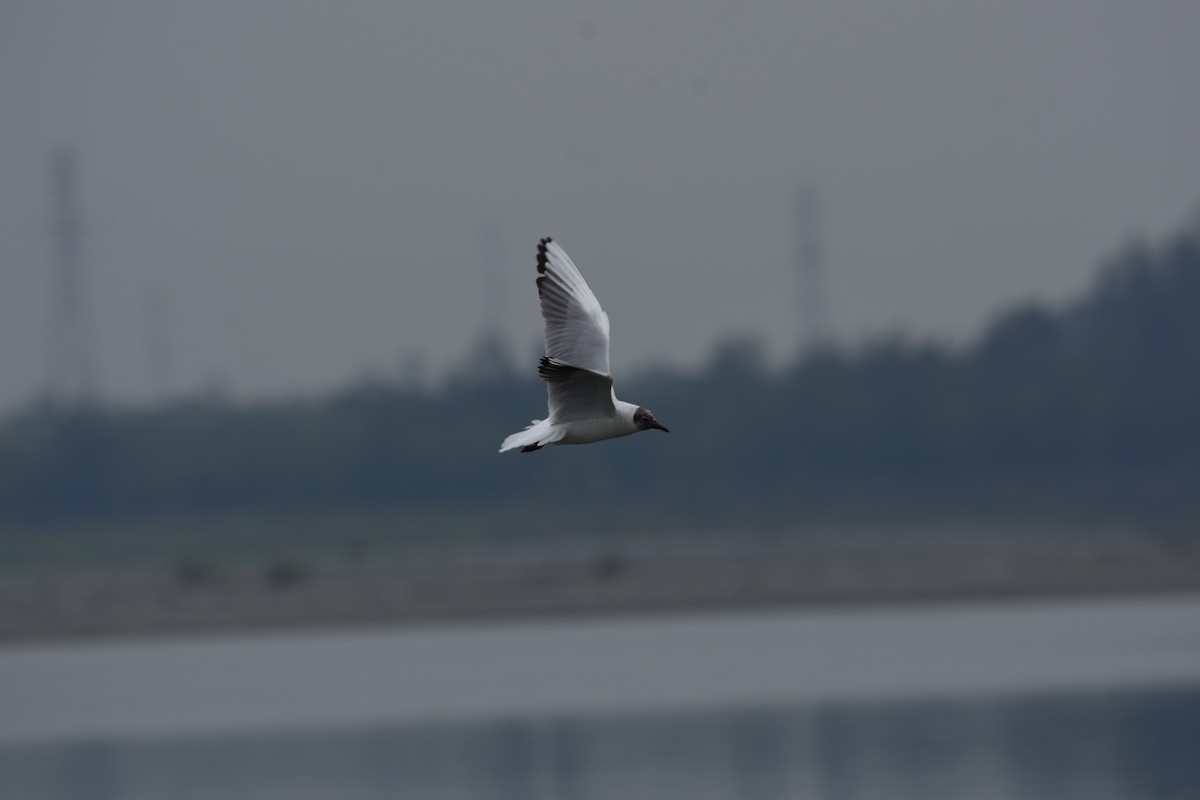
(305, 185)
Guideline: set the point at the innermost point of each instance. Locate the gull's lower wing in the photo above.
(576, 393)
(576, 325)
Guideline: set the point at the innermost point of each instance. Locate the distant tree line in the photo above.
(1087, 408)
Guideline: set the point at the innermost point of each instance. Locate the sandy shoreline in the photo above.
(84, 605)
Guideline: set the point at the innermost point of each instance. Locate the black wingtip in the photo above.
(552, 370)
(541, 255)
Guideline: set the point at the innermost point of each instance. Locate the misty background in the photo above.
(284, 197)
(914, 285)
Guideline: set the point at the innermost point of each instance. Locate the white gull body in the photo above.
(583, 407)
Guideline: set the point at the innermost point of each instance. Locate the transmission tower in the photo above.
(811, 265)
(491, 351)
(157, 341)
(72, 373)
(493, 260)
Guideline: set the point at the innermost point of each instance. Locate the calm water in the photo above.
(1071, 700)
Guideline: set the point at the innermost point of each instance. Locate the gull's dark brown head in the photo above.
(644, 419)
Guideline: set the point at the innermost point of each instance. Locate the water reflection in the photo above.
(1093, 746)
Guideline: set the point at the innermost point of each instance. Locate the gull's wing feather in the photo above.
(576, 325)
(576, 393)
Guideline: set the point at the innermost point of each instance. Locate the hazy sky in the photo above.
(292, 193)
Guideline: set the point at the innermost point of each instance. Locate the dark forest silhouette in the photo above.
(1087, 409)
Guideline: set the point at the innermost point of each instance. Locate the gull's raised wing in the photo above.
(576, 325)
(575, 393)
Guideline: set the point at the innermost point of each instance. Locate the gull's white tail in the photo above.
(539, 433)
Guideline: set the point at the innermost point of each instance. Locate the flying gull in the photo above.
(583, 406)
